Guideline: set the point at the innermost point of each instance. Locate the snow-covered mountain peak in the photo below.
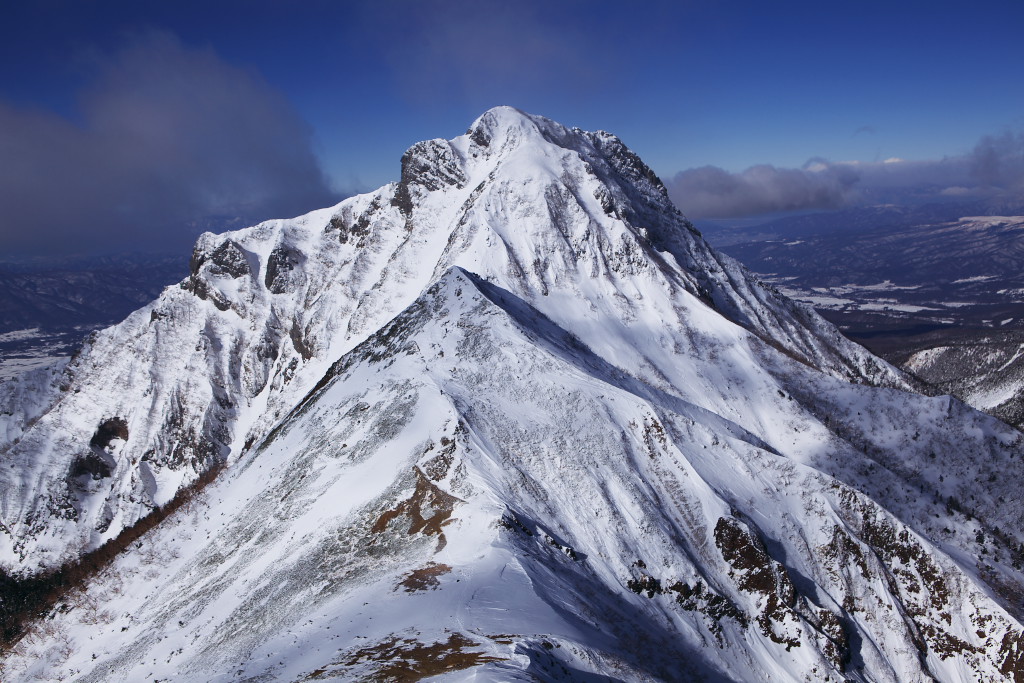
(515, 390)
(494, 137)
(571, 222)
(500, 128)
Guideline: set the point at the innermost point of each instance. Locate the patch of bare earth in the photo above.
(427, 510)
(406, 660)
(424, 578)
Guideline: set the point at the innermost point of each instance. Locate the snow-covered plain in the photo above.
(508, 419)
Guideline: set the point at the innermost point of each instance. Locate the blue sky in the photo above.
(688, 85)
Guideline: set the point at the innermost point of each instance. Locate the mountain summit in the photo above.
(509, 418)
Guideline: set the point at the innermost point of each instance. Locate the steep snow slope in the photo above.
(572, 222)
(475, 492)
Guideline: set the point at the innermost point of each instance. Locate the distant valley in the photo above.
(47, 308)
(934, 289)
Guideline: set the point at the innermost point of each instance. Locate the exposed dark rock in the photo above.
(280, 264)
(836, 645)
(756, 572)
(91, 465)
(479, 136)
(437, 466)
(897, 547)
(229, 259)
(645, 584)
(356, 228)
(338, 223)
(844, 552)
(402, 199)
(1011, 652)
(200, 452)
(625, 162)
(431, 165)
(512, 523)
(199, 257)
(299, 341)
(700, 598)
(746, 553)
(198, 286)
(114, 428)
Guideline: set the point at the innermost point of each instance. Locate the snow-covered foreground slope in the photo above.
(474, 489)
(571, 221)
(509, 419)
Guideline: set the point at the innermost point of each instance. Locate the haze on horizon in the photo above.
(134, 127)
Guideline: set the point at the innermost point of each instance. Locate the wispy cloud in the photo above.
(169, 137)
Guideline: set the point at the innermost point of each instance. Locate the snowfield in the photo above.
(509, 419)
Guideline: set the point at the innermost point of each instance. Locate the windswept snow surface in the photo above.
(508, 419)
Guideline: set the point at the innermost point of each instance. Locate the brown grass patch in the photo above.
(407, 660)
(428, 509)
(424, 578)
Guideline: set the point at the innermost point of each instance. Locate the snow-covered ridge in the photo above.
(472, 488)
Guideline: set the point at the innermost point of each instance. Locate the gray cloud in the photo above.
(170, 140)
(711, 192)
(998, 161)
(993, 169)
